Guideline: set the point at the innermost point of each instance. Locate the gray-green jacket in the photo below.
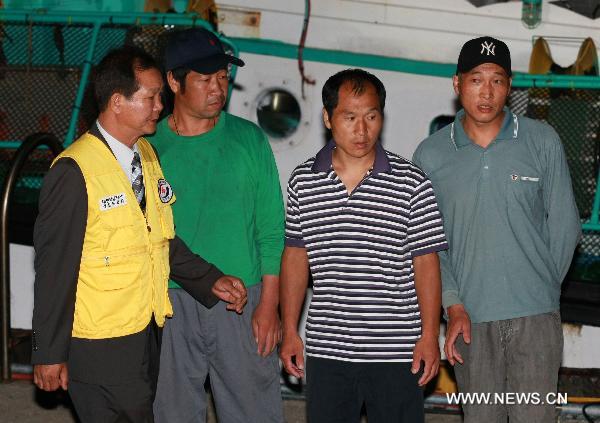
(509, 214)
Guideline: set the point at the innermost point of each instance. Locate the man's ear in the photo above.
(115, 102)
(173, 83)
(326, 119)
(456, 83)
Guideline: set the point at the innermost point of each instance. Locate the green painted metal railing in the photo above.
(396, 64)
(141, 18)
(85, 74)
(593, 223)
(98, 20)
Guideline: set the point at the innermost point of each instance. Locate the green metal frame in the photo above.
(593, 224)
(97, 20)
(396, 64)
(141, 18)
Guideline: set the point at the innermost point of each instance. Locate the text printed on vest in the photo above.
(113, 201)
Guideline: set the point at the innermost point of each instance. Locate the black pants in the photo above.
(121, 380)
(337, 391)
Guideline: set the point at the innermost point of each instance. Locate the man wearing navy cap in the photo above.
(230, 210)
(510, 217)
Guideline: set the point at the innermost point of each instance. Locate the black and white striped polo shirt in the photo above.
(360, 249)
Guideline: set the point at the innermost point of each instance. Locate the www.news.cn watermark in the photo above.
(506, 398)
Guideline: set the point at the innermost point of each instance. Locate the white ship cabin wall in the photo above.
(423, 30)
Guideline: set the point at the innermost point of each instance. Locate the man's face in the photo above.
(204, 95)
(139, 113)
(356, 121)
(483, 91)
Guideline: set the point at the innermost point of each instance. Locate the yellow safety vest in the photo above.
(124, 266)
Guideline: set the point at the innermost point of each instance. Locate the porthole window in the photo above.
(278, 113)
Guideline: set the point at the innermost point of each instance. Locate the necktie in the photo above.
(137, 179)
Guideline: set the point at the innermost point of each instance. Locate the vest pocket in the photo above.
(110, 295)
(115, 271)
(121, 229)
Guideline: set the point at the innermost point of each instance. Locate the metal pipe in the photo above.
(593, 223)
(47, 16)
(438, 402)
(280, 49)
(87, 68)
(397, 64)
(10, 144)
(556, 77)
(30, 144)
(545, 82)
(572, 409)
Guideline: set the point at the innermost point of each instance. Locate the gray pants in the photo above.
(198, 342)
(520, 355)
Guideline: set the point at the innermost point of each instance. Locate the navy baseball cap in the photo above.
(197, 49)
(483, 50)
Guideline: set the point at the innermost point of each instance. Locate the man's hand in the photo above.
(426, 350)
(429, 293)
(231, 290)
(291, 347)
(49, 377)
(266, 328)
(458, 323)
(293, 279)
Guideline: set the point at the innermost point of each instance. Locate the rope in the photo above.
(305, 79)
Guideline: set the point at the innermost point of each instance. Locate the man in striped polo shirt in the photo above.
(367, 223)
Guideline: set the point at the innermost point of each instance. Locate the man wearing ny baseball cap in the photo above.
(230, 210)
(510, 218)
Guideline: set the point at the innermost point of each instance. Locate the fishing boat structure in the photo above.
(290, 49)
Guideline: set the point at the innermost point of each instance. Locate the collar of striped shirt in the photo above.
(323, 159)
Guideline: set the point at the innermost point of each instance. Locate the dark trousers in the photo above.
(121, 383)
(337, 391)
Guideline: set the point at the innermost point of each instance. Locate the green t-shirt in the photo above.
(229, 208)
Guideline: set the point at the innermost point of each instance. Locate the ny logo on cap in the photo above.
(488, 47)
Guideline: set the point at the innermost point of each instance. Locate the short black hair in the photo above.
(358, 78)
(116, 73)
(179, 75)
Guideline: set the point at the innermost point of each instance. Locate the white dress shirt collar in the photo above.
(123, 153)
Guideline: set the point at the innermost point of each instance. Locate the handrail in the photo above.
(593, 223)
(21, 156)
(277, 48)
(87, 69)
(139, 18)
(285, 50)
